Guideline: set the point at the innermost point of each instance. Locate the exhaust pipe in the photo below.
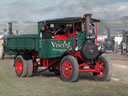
(108, 29)
(10, 28)
(88, 26)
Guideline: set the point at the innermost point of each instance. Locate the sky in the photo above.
(37, 10)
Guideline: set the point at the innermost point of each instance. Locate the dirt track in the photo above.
(47, 84)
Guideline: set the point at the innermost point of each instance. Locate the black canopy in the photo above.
(68, 20)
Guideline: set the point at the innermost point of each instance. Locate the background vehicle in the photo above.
(1, 49)
(124, 43)
(110, 44)
(68, 54)
(3, 41)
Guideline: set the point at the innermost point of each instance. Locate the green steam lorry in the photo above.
(64, 54)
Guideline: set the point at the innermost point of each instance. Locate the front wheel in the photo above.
(104, 69)
(69, 69)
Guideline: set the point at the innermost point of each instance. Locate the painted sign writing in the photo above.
(64, 45)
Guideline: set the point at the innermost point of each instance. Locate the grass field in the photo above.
(48, 84)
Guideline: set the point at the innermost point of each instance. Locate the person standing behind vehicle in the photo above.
(42, 32)
(46, 32)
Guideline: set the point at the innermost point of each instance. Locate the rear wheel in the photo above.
(105, 69)
(30, 68)
(20, 66)
(69, 69)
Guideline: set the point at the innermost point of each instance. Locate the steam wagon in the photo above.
(110, 44)
(71, 49)
(3, 41)
(124, 43)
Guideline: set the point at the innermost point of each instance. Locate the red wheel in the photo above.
(69, 69)
(104, 67)
(21, 66)
(101, 68)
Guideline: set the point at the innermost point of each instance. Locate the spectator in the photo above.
(46, 32)
(42, 32)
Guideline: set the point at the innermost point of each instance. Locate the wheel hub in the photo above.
(101, 69)
(19, 66)
(66, 69)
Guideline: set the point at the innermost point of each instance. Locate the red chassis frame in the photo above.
(54, 63)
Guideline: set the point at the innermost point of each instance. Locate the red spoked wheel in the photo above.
(69, 69)
(104, 68)
(101, 68)
(19, 67)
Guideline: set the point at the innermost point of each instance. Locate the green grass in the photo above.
(47, 84)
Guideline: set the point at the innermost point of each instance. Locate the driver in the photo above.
(60, 30)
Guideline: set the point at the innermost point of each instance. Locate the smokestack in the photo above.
(108, 29)
(10, 28)
(5, 30)
(16, 32)
(88, 25)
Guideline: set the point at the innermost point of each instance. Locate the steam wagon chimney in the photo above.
(88, 25)
(108, 29)
(5, 30)
(10, 28)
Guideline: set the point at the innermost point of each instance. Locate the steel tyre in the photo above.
(20, 66)
(69, 69)
(30, 68)
(105, 67)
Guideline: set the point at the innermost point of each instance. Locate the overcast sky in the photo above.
(36, 10)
